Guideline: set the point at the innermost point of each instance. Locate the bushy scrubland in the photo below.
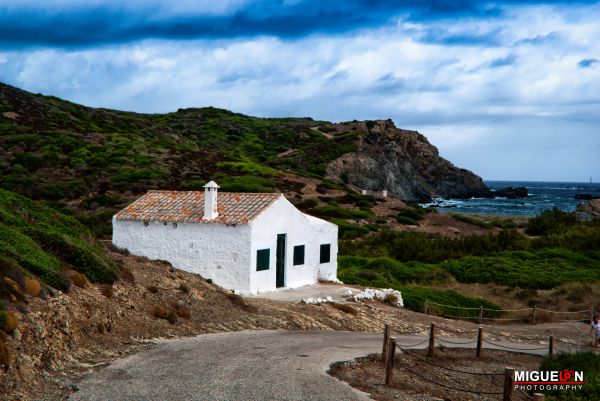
(39, 241)
(565, 251)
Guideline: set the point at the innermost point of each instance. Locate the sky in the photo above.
(507, 89)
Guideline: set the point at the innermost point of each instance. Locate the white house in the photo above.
(247, 242)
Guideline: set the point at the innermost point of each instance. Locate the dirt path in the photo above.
(325, 134)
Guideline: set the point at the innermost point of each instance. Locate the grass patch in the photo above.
(496, 222)
(383, 272)
(349, 231)
(588, 362)
(471, 220)
(250, 168)
(245, 183)
(331, 212)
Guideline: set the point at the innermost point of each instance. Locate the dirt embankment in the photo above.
(73, 333)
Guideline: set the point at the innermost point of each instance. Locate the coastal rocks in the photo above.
(385, 295)
(404, 163)
(585, 197)
(511, 193)
(588, 211)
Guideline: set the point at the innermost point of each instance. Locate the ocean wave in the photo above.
(443, 203)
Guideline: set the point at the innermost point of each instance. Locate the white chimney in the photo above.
(210, 201)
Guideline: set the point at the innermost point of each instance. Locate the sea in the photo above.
(542, 196)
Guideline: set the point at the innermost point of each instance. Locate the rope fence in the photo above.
(389, 357)
(446, 368)
(531, 315)
(513, 348)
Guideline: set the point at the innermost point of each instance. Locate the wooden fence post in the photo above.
(427, 307)
(479, 341)
(431, 348)
(386, 339)
(538, 397)
(550, 345)
(480, 314)
(533, 312)
(389, 363)
(509, 380)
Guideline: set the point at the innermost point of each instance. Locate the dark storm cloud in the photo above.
(25, 25)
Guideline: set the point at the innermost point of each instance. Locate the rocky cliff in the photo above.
(405, 164)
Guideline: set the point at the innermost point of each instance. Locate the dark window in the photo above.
(262, 259)
(298, 255)
(325, 253)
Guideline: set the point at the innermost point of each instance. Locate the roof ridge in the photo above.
(220, 192)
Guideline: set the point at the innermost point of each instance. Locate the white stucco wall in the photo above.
(300, 229)
(215, 251)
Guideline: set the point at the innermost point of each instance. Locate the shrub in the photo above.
(588, 362)
(330, 211)
(164, 313)
(345, 308)
(79, 279)
(184, 288)
(367, 275)
(127, 275)
(406, 220)
(32, 287)
(414, 298)
(183, 311)
(238, 300)
(8, 321)
(306, 204)
(4, 355)
(411, 213)
(153, 289)
(107, 290)
(471, 220)
(348, 230)
(550, 221)
(101, 328)
(391, 299)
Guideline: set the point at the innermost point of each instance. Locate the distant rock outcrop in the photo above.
(585, 196)
(588, 211)
(405, 164)
(511, 193)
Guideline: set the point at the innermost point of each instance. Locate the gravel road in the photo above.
(245, 365)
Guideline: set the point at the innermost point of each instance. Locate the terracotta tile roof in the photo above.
(188, 207)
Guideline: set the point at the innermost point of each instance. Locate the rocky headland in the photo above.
(404, 163)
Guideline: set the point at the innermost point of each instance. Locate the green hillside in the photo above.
(39, 241)
(95, 161)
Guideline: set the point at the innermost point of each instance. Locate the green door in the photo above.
(280, 263)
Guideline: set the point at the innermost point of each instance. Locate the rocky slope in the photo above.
(405, 164)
